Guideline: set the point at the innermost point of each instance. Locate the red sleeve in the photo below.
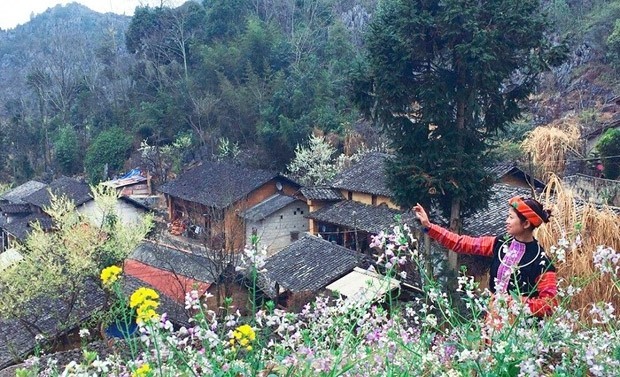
(545, 302)
(462, 244)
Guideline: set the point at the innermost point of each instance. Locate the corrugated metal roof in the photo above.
(363, 285)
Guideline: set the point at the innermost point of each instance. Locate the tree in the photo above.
(107, 154)
(56, 265)
(440, 77)
(67, 150)
(315, 164)
(609, 149)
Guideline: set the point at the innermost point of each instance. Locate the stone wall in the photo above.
(598, 190)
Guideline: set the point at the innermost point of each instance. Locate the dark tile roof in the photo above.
(218, 184)
(355, 215)
(309, 264)
(15, 195)
(17, 340)
(187, 264)
(22, 226)
(176, 312)
(15, 208)
(267, 207)
(367, 176)
(73, 189)
(321, 193)
(492, 220)
(502, 169)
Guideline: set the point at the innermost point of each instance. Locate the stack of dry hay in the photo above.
(594, 225)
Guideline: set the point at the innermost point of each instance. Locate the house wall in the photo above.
(231, 227)
(275, 231)
(127, 213)
(514, 181)
(374, 200)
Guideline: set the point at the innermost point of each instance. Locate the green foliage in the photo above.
(442, 78)
(67, 151)
(608, 147)
(107, 154)
(57, 264)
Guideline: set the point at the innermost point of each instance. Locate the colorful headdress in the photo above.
(519, 204)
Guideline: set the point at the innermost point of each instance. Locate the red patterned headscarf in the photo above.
(519, 204)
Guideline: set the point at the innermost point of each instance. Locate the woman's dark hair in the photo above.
(535, 205)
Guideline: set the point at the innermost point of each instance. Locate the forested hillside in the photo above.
(86, 93)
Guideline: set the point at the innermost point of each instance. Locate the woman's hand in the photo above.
(420, 213)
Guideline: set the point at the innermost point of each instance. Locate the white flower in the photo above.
(84, 333)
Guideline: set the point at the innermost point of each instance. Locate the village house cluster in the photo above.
(316, 239)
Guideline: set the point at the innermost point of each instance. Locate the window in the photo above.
(350, 195)
(374, 200)
(294, 236)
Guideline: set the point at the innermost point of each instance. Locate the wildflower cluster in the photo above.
(110, 274)
(243, 336)
(335, 336)
(144, 301)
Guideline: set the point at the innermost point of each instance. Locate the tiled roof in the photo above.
(180, 262)
(17, 340)
(309, 264)
(218, 184)
(367, 176)
(22, 226)
(355, 215)
(73, 189)
(321, 193)
(492, 220)
(15, 208)
(16, 194)
(503, 169)
(267, 207)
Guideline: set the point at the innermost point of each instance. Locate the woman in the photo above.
(519, 263)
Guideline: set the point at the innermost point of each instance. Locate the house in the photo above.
(16, 194)
(174, 272)
(50, 318)
(170, 271)
(366, 182)
(276, 221)
(305, 267)
(74, 190)
(510, 174)
(132, 183)
(351, 224)
(26, 205)
(207, 201)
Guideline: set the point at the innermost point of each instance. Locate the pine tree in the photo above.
(439, 77)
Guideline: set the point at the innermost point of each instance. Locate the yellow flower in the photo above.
(146, 314)
(141, 295)
(110, 274)
(143, 371)
(243, 335)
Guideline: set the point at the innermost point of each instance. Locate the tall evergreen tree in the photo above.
(440, 76)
